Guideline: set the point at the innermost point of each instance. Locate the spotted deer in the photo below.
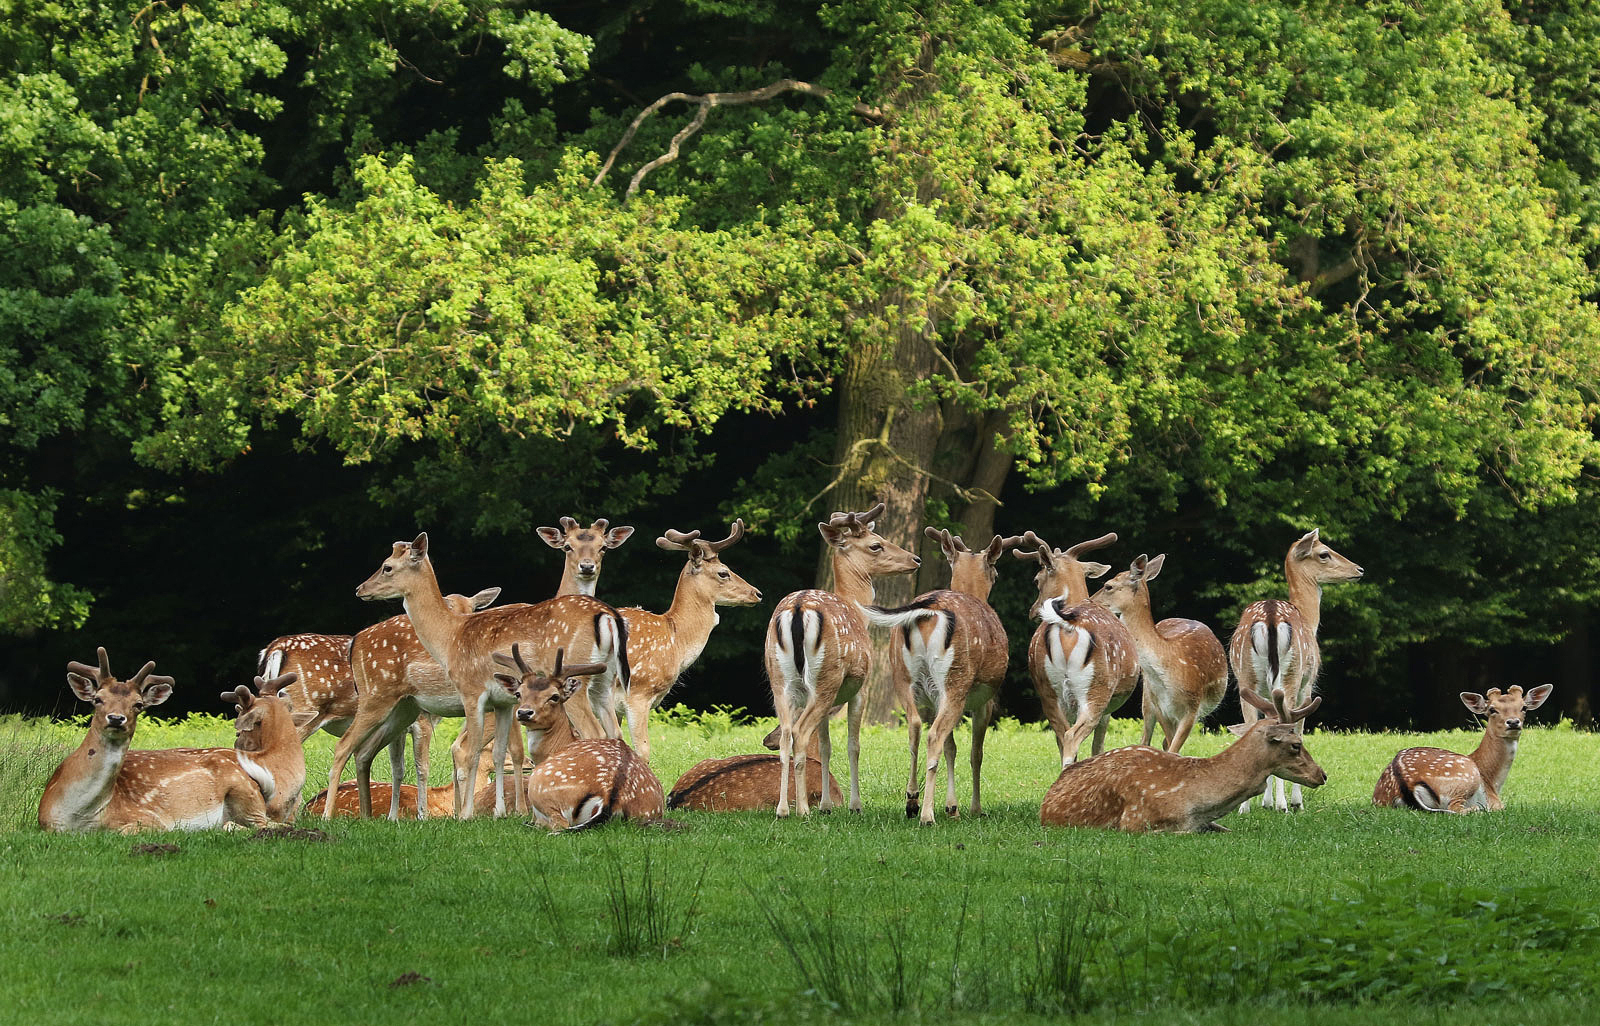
(440, 800)
(743, 783)
(1275, 644)
(950, 659)
(1184, 668)
(576, 782)
(661, 646)
(105, 786)
(818, 652)
(1437, 780)
(1082, 659)
(1140, 788)
(464, 645)
(585, 549)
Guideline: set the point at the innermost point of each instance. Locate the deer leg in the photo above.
(637, 706)
(799, 744)
(853, 747)
(502, 730)
(1149, 709)
(1100, 725)
(368, 720)
(903, 692)
(467, 754)
(245, 805)
(421, 740)
(1176, 737)
(1050, 704)
(825, 752)
(950, 773)
(944, 722)
(397, 773)
(980, 724)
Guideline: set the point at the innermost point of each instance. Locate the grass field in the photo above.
(1344, 914)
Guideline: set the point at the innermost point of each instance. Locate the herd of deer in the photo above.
(500, 665)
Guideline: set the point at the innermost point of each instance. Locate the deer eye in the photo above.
(137, 706)
(566, 546)
(1295, 747)
(388, 569)
(97, 700)
(723, 574)
(1322, 555)
(876, 547)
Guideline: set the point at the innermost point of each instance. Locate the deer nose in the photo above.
(1513, 724)
(917, 560)
(585, 568)
(115, 719)
(525, 715)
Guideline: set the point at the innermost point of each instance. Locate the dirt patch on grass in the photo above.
(154, 849)
(290, 834)
(407, 979)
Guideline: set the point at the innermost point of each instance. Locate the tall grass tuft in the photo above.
(27, 758)
(645, 916)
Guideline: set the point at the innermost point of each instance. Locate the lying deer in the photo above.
(743, 783)
(576, 783)
(1436, 780)
(1184, 668)
(441, 799)
(104, 786)
(1140, 788)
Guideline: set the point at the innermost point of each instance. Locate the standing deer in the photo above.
(743, 783)
(818, 652)
(585, 548)
(951, 658)
(1082, 659)
(1436, 780)
(104, 786)
(1140, 788)
(464, 644)
(576, 783)
(661, 646)
(1184, 668)
(1275, 644)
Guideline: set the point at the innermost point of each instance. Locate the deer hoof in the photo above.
(952, 811)
(913, 806)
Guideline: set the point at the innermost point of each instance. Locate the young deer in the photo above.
(661, 646)
(1082, 659)
(1275, 644)
(1184, 668)
(951, 659)
(818, 654)
(1436, 780)
(464, 645)
(104, 786)
(585, 547)
(576, 783)
(324, 694)
(1141, 788)
(743, 783)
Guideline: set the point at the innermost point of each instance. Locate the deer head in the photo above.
(705, 569)
(1061, 574)
(585, 547)
(1505, 709)
(853, 535)
(266, 716)
(1311, 557)
(399, 573)
(117, 704)
(971, 572)
(541, 695)
(1129, 588)
(1277, 741)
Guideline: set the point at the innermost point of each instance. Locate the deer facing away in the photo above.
(743, 783)
(1437, 780)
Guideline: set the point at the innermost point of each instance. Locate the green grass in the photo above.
(1345, 914)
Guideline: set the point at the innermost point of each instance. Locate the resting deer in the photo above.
(818, 652)
(576, 783)
(950, 659)
(1275, 644)
(743, 783)
(661, 646)
(1082, 659)
(1436, 780)
(440, 800)
(464, 645)
(585, 548)
(104, 786)
(1141, 788)
(1184, 668)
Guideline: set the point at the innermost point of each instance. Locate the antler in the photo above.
(736, 531)
(945, 539)
(1039, 553)
(1286, 715)
(601, 525)
(276, 684)
(102, 674)
(515, 661)
(568, 524)
(677, 540)
(1092, 544)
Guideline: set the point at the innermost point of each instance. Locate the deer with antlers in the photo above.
(818, 652)
(1438, 780)
(104, 786)
(1139, 788)
(585, 548)
(1082, 659)
(576, 782)
(951, 659)
(1184, 668)
(1275, 644)
(743, 783)
(661, 646)
(464, 644)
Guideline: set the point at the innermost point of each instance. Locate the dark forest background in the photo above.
(286, 283)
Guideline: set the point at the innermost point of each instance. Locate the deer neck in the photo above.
(92, 774)
(1141, 624)
(1493, 757)
(971, 580)
(1230, 776)
(690, 618)
(1305, 594)
(570, 585)
(277, 765)
(432, 618)
(545, 742)
(1077, 587)
(850, 582)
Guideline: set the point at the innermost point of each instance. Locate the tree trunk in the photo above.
(1577, 674)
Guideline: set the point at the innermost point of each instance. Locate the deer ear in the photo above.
(1304, 545)
(419, 547)
(617, 535)
(82, 686)
(485, 598)
(1153, 567)
(1238, 729)
(1535, 698)
(553, 537)
(569, 687)
(1095, 570)
(511, 684)
(830, 534)
(1475, 702)
(996, 549)
(156, 692)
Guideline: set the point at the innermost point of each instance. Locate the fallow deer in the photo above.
(1275, 644)
(1140, 788)
(1436, 780)
(818, 652)
(464, 645)
(441, 800)
(1082, 659)
(585, 548)
(104, 786)
(1184, 668)
(661, 646)
(742, 783)
(950, 659)
(576, 782)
